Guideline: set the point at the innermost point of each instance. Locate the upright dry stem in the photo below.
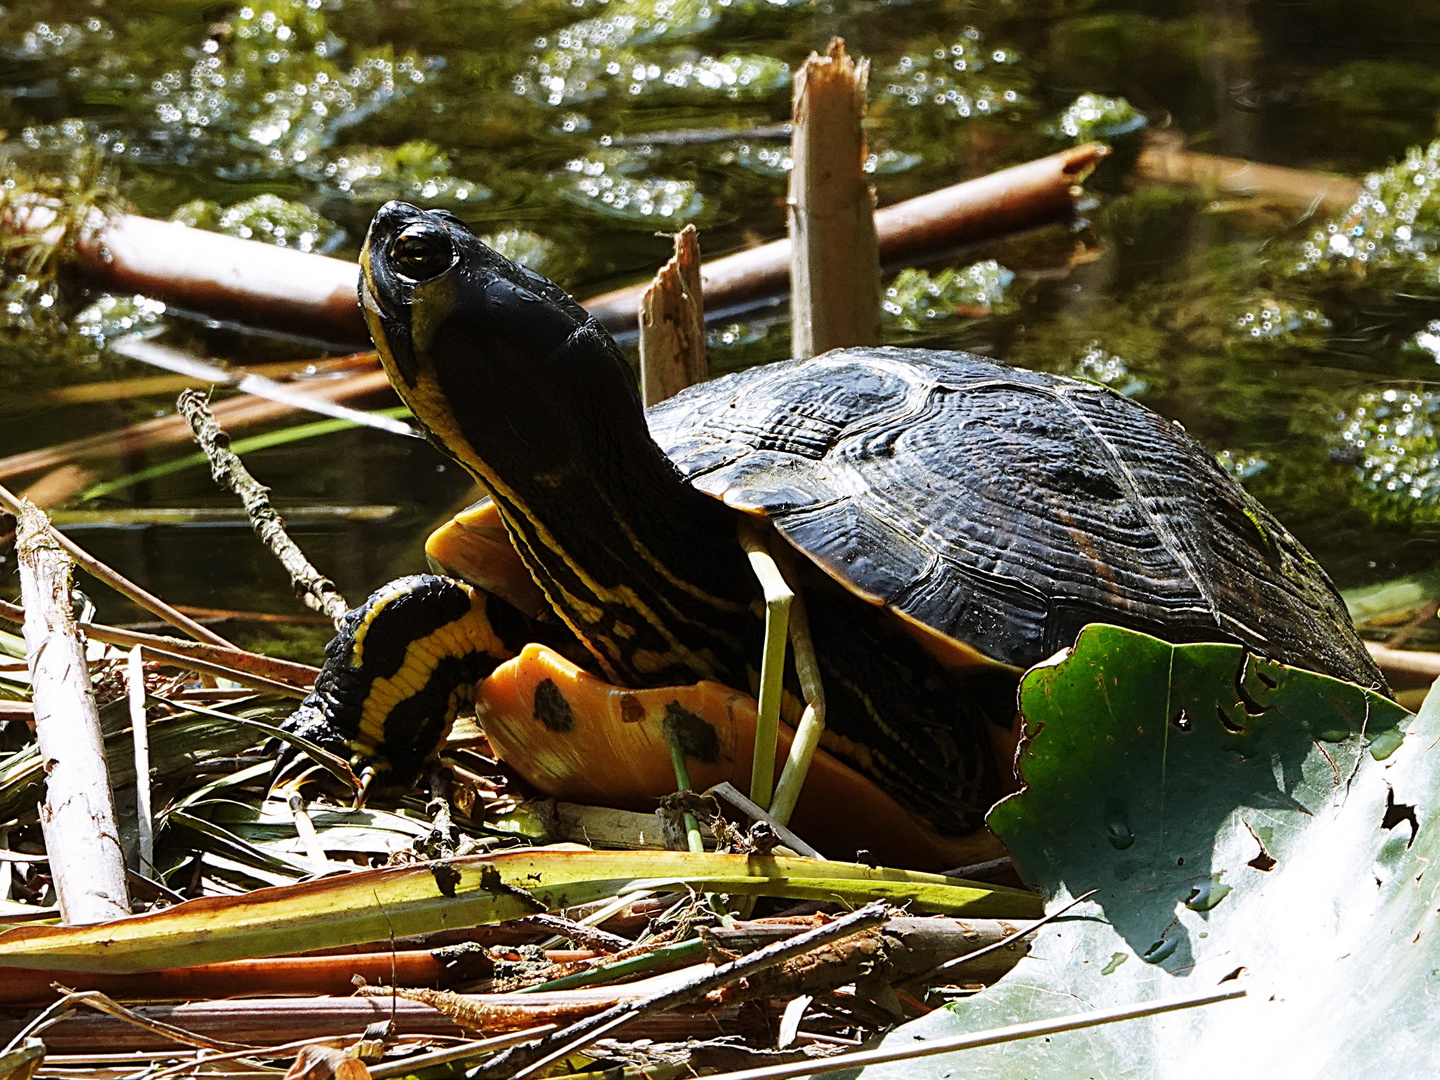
(672, 324)
(835, 258)
(78, 814)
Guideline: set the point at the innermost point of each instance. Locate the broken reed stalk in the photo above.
(585, 1032)
(140, 739)
(835, 251)
(992, 1037)
(778, 598)
(314, 588)
(77, 817)
(672, 324)
(121, 584)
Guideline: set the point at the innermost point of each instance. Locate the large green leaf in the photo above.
(1245, 823)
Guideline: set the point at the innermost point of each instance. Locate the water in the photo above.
(1305, 368)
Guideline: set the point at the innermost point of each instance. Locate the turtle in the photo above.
(948, 520)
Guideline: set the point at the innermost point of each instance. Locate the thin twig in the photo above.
(587, 937)
(584, 1032)
(728, 792)
(251, 669)
(406, 1066)
(929, 976)
(121, 584)
(102, 1003)
(313, 587)
(992, 1037)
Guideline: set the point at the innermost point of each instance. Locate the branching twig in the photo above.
(992, 1037)
(313, 587)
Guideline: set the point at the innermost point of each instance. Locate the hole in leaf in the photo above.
(1181, 720)
(1228, 724)
(1264, 861)
(1251, 706)
(1161, 950)
(1395, 813)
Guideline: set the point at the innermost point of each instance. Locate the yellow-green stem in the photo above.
(778, 597)
(693, 839)
(812, 723)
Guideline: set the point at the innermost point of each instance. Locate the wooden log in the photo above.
(834, 252)
(78, 814)
(269, 286)
(210, 272)
(672, 324)
(1165, 161)
(972, 212)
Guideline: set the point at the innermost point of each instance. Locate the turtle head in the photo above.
(497, 362)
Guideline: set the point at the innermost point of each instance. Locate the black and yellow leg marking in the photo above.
(399, 670)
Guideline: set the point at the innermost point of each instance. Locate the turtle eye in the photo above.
(422, 251)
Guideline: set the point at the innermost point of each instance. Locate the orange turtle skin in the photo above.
(582, 739)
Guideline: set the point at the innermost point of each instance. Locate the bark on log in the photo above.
(78, 814)
(834, 254)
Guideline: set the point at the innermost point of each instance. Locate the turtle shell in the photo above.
(1005, 508)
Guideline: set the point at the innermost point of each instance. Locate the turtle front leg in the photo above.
(396, 674)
